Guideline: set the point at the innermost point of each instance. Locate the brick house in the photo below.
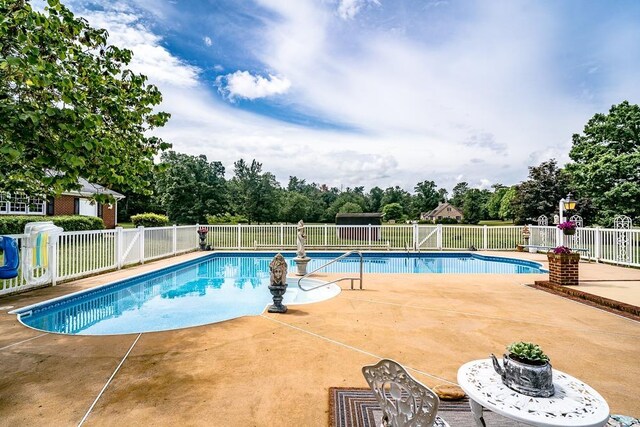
(444, 210)
(68, 203)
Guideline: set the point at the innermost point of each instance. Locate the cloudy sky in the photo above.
(380, 92)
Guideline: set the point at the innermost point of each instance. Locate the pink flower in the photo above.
(561, 250)
(567, 225)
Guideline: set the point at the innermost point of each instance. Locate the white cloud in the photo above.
(207, 40)
(348, 9)
(149, 56)
(243, 84)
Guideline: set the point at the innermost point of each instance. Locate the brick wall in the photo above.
(63, 205)
(563, 269)
(109, 215)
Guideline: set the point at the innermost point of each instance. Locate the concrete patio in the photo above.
(275, 370)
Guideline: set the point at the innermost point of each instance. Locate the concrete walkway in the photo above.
(275, 370)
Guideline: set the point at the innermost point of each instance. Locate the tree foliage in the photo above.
(541, 193)
(69, 107)
(392, 211)
(190, 188)
(457, 195)
(473, 206)
(606, 162)
(255, 194)
(426, 197)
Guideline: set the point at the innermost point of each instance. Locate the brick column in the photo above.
(563, 269)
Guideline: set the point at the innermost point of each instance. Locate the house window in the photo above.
(76, 206)
(448, 209)
(458, 217)
(100, 208)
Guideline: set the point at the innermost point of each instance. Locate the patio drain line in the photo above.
(108, 381)
(23, 341)
(355, 349)
(536, 323)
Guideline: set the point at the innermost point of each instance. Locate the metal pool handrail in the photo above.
(337, 280)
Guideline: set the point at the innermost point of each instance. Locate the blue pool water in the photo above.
(225, 286)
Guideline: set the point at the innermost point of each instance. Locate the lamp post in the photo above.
(568, 204)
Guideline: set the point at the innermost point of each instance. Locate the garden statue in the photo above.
(202, 233)
(526, 234)
(278, 283)
(301, 258)
(301, 238)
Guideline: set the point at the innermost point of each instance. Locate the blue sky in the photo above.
(377, 92)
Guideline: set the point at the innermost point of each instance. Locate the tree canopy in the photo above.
(606, 162)
(189, 187)
(69, 107)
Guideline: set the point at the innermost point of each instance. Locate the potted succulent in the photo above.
(568, 228)
(526, 369)
(563, 266)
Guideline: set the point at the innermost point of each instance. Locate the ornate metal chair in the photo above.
(404, 400)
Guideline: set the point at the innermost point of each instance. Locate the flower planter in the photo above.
(530, 379)
(569, 232)
(563, 268)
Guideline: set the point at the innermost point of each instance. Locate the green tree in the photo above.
(295, 207)
(495, 200)
(374, 199)
(457, 195)
(190, 188)
(347, 196)
(473, 206)
(540, 194)
(506, 204)
(255, 194)
(396, 195)
(425, 199)
(606, 162)
(392, 211)
(69, 107)
(350, 207)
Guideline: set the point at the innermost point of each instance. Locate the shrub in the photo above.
(446, 221)
(14, 224)
(150, 220)
(226, 218)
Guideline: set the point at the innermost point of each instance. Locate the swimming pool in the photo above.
(224, 286)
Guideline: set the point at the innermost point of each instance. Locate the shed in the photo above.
(359, 226)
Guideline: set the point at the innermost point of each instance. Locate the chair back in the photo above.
(405, 402)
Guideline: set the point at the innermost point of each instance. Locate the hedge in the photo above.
(150, 220)
(14, 224)
(226, 218)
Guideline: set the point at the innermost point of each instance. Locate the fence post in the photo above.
(439, 237)
(281, 236)
(141, 242)
(175, 239)
(325, 235)
(239, 237)
(53, 262)
(416, 233)
(559, 239)
(369, 231)
(119, 249)
(485, 232)
(597, 242)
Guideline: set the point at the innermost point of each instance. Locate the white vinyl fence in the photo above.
(84, 253)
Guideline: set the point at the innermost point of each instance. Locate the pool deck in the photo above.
(275, 370)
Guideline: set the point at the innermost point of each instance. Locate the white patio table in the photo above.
(574, 403)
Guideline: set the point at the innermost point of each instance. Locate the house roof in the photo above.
(441, 207)
(89, 189)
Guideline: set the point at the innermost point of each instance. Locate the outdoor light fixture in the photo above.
(568, 204)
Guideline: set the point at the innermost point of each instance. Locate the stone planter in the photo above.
(563, 268)
(525, 378)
